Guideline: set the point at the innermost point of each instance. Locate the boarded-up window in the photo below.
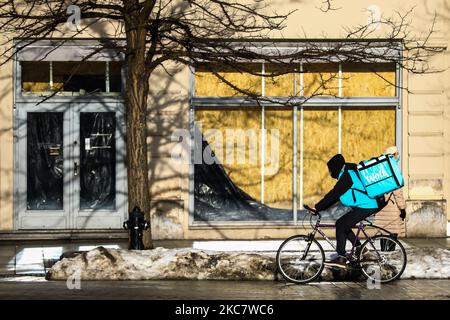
(368, 80)
(321, 79)
(245, 77)
(320, 143)
(279, 155)
(234, 136)
(279, 80)
(366, 133)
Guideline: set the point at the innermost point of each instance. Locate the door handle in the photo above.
(75, 169)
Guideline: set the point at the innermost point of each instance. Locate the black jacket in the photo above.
(342, 185)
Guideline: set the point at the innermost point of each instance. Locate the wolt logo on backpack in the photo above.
(376, 176)
(380, 175)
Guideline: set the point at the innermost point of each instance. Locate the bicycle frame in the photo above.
(361, 228)
(289, 260)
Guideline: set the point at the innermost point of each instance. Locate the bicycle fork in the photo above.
(308, 245)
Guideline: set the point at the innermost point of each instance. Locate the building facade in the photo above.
(63, 164)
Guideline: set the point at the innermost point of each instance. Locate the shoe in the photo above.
(333, 256)
(356, 252)
(339, 262)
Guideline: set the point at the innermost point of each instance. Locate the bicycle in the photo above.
(301, 258)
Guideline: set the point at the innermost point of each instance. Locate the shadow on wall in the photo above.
(168, 110)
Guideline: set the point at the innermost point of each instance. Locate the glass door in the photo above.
(69, 166)
(45, 161)
(42, 183)
(99, 187)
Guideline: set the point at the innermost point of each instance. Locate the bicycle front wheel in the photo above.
(300, 259)
(382, 258)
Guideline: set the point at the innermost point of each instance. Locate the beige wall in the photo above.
(6, 146)
(426, 120)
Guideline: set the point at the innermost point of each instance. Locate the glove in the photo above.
(403, 214)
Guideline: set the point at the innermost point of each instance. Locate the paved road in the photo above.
(38, 288)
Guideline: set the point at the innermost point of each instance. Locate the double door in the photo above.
(69, 166)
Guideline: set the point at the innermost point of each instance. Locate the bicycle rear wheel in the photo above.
(382, 258)
(300, 259)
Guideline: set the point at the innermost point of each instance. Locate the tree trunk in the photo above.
(137, 88)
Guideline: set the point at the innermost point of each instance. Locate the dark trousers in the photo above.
(344, 227)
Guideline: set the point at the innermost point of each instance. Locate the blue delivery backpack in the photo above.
(372, 180)
(357, 196)
(380, 175)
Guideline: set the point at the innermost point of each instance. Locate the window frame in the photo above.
(300, 102)
(38, 97)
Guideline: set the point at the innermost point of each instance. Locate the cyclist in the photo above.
(362, 206)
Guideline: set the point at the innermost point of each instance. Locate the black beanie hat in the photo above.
(335, 165)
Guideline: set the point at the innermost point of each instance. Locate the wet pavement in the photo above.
(39, 288)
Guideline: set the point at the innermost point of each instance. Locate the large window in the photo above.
(269, 158)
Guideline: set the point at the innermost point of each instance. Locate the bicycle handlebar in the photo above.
(315, 212)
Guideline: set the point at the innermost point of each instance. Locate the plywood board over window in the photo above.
(368, 80)
(279, 153)
(246, 77)
(238, 152)
(320, 143)
(366, 133)
(279, 80)
(320, 79)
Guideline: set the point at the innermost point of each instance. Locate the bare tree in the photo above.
(153, 32)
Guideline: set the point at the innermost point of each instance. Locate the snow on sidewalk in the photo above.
(195, 264)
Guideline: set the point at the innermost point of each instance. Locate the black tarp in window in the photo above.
(97, 160)
(45, 161)
(217, 198)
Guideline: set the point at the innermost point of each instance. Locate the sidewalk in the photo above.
(35, 258)
(37, 288)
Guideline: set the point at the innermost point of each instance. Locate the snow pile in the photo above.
(193, 264)
(427, 263)
(160, 263)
